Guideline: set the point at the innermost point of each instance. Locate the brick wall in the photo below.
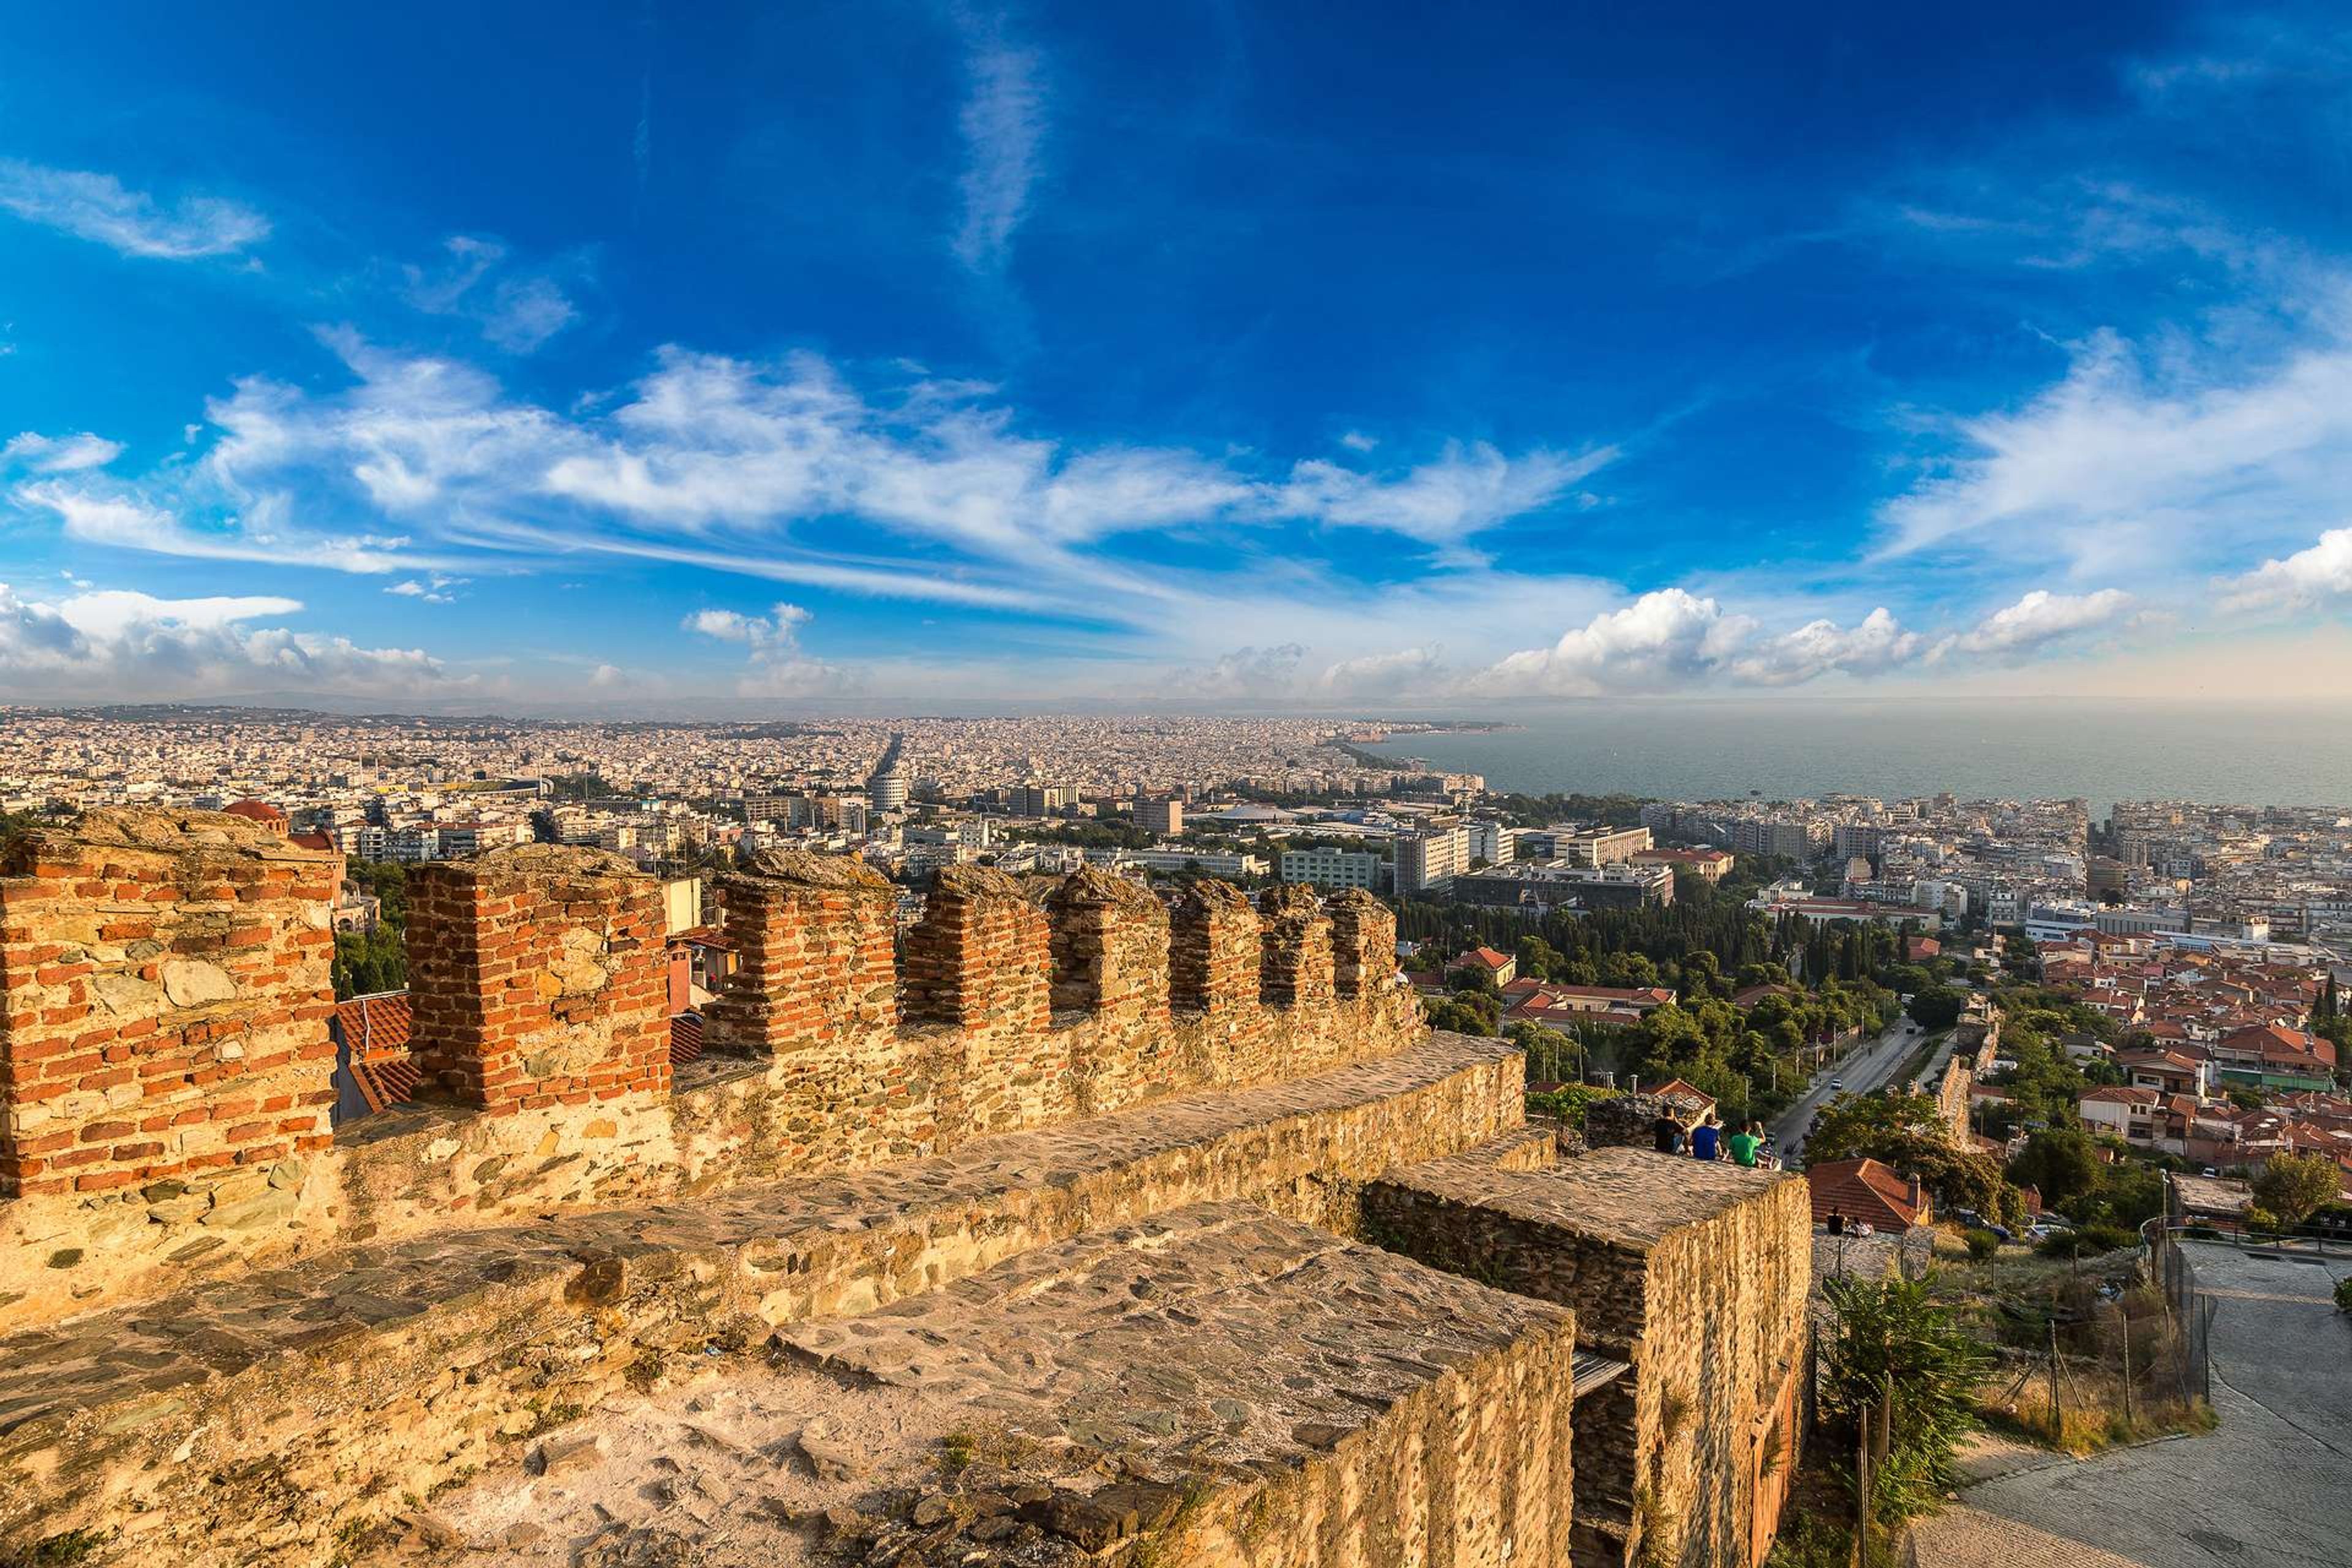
(813, 936)
(1363, 944)
(1295, 969)
(164, 991)
(538, 976)
(1214, 955)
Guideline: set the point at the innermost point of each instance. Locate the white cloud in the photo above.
(2319, 575)
(2037, 620)
(2132, 459)
(1357, 441)
(1671, 637)
(433, 590)
(517, 313)
(1004, 122)
(58, 454)
(778, 668)
(1464, 492)
(261, 534)
(110, 643)
(99, 208)
(1250, 672)
(1388, 675)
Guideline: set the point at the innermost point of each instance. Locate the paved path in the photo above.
(2271, 1488)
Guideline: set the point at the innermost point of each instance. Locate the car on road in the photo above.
(1837, 1083)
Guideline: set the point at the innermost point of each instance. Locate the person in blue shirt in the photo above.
(1705, 1138)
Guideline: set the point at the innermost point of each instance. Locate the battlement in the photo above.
(167, 1071)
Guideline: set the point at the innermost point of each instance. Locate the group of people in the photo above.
(1745, 1145)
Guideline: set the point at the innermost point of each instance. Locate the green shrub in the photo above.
(2089, 1242)
(2343, 1294)
(1982, 1244)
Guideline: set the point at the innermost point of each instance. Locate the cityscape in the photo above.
(988, 784)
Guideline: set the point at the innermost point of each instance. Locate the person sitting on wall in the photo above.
(1705, 1138)
(1746, 1143)
(1837, 1223)
(1667, 1133)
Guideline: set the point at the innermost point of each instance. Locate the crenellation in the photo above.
(1295, 970)
(1213, 958)
(814, 938)
(980, 958)
(1363, 944)
(537, 977)
(1110, 948)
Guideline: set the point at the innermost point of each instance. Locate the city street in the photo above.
(1863, 1070)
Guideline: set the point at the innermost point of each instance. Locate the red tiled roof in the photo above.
(312, 841)
(254, 810)
(1484, 957)
(376, 1031)
(1863, 1190)
(684, 1038)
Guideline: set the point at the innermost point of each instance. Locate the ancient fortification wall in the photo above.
(167, 1071)
(1077, 1158)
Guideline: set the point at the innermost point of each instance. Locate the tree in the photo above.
(1892, 1338)
(1936, 1007)
(2292, 1185)
(2062, 1161)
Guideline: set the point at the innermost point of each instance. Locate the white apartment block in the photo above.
(1332, 869)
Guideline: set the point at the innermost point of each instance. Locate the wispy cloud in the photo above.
(1004, 125)
(1465, 490)
(99, 208)
(517, 313)
(58, 454)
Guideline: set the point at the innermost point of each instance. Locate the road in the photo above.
(2266, 1489)
(1863, 1070)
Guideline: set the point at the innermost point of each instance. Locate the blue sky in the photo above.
(678, 358)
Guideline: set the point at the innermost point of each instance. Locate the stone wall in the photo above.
(1695, 1274)
(251, 1421)
(541, 1033)
(166, 1071)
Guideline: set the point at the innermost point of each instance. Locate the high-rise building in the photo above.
(1162, 818)
(1493, 842)
(887, 790)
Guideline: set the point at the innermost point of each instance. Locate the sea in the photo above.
(1687, 749)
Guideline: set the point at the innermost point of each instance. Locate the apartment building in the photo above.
(1333, 868)
(1428, 862)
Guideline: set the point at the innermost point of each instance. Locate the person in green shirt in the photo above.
(1744, 1142)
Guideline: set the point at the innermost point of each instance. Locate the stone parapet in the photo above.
(1694, 1273)
(538, 976)
(373, 1371)
(1110, 948)
(813, 938)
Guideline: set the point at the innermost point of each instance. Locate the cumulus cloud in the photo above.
(2037, 620)
(777, 667)
(58, 454)
(1396, 674)
(2310, 578)
(1671, 638)
(1251, 671)
(99, 208)
(1465, 490)
(108, 643)
(433, 590)
(1003, 124)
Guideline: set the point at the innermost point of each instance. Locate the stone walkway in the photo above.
(2271, 1488)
